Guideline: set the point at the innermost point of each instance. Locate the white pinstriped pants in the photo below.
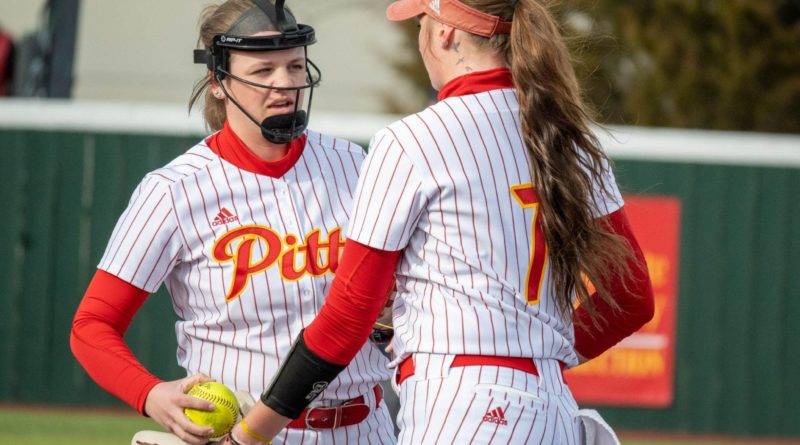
(485, 405)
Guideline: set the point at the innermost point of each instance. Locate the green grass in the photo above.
(62, 426)
(659, 442)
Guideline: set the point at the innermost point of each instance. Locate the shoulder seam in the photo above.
(319, 139)
(179, 176)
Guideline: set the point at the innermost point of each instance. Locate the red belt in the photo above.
(349, 413)
(406, 367)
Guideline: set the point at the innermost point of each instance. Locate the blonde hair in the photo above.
(566, 158)
(215, 19)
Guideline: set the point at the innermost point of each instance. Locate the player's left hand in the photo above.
(167, 400)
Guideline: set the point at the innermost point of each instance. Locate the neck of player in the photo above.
(458, 55)
(250, 134)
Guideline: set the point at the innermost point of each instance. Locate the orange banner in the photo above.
(639, 371)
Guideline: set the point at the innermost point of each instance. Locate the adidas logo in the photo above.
(224, 217)
(434, 5)
(496, 416)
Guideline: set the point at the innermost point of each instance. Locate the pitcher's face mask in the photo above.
(262, 17)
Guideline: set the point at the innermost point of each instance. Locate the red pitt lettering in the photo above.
(311, 255)
(315, 257)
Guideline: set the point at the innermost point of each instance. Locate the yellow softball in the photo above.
(226, 409)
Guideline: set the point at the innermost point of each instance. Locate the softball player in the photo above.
(490, 207)
(245, 230)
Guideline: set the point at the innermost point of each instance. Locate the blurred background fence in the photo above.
(68, 169)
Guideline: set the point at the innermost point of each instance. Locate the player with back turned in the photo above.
(490, 207)
(245, 230)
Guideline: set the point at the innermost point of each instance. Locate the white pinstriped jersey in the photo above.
(246, 258)
(451, 187)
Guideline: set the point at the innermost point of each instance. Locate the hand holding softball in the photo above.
(226, 409)
(166, 403)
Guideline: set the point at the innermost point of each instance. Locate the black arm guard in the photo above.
(303, 376)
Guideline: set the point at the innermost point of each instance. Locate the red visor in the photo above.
(451, 12)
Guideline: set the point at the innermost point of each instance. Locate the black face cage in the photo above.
(277, 129)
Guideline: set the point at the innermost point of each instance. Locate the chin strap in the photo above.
(283, 128)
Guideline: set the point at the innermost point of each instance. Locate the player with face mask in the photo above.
(245, 231)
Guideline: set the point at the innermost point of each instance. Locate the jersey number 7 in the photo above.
(526, 197)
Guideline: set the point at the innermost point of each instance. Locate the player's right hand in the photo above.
(167, 400)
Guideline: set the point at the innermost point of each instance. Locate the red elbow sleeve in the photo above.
(633, 294)
(96, 340)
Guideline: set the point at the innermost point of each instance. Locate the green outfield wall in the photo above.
(737, 354)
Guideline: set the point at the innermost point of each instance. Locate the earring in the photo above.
(218, 95)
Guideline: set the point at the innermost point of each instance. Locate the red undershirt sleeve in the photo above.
(633, 294)
(106, 311)
(358, 294)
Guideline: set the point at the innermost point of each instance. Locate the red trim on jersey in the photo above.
(634, 297)
(358, 294)
(474, 83)
(106, 311)
(229, 147)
